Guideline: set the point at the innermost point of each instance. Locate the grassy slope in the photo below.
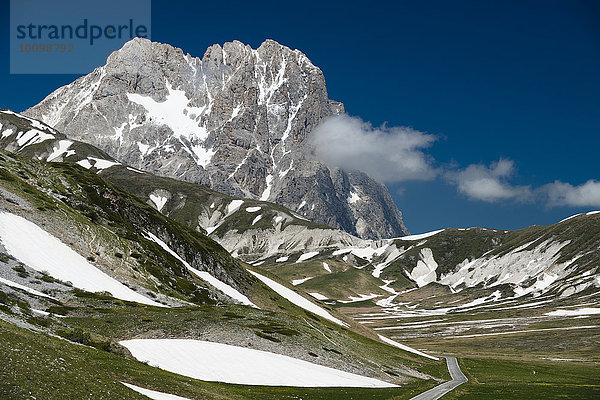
(490, 378)
(69, 197)
(84, 202)
(35, 365)
(453, 246)
(41, 364)
(527, 379)
(312, 268)
(342, 282)
(82, 199)
(342, 285)
(197, 198)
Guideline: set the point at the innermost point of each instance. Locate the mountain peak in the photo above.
(236, 120)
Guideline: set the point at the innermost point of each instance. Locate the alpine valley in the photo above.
(167, 233)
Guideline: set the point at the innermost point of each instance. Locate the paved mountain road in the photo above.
(458, 378)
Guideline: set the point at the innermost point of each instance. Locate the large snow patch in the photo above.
(210, 361)
(41, 251)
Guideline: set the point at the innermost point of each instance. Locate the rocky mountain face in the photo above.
(238, 121)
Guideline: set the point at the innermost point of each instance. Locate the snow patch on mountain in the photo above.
(360, 297)
(98, 163)
(174, 112)
(61, 149)
(101, 164)
(367, 252)
(353, 198)
(84, 163)
(392, 255)
(8, 133)
(234, 206)
(297, 282)
(158, 200)
(425, 271)
(515, 267)
(568, 218)
(24, 288)
(421, 236)
(32, 136)
(307, 256)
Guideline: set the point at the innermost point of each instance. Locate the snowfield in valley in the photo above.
(218, 362)
(574, 313)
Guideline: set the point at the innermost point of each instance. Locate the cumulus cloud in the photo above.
(397, 154)
(565, 194)
(489, 183)
(388, 154)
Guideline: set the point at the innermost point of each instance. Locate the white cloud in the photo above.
(389, 154)
(490, 184)
(396, 154)
(565, 194)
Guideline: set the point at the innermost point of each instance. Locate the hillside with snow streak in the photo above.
(43, 252)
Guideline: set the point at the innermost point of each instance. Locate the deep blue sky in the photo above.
(492, 79)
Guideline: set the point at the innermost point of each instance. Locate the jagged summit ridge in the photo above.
(235, 120)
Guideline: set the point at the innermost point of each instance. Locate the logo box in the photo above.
(72, 37)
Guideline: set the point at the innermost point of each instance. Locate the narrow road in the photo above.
(458, 378)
